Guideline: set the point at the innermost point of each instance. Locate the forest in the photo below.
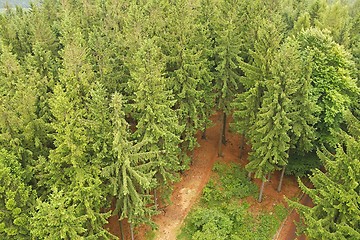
(100, 102)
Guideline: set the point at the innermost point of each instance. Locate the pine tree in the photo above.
(130, 173)
(336, 191)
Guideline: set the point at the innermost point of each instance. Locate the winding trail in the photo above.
(288, 229)
(188, 190)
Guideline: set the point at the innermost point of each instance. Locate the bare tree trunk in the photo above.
(224, 129)
(249, 175)
(121, 231)
(220, 153)
(203, 136)
(242, 146)
(261, 190)
(132, 231)
(155, 199)
(281, 179)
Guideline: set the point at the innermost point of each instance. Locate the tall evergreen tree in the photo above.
(17, 199)
(336, 191)
(227, 58)
(157, 123)
(130, 173)
(186, 70)
(246, 105)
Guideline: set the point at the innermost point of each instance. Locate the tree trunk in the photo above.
(224, 129)
(281, 179)
(261, 190)
(203, 136)
(155, 199)
(121, 231)
(220, 153)
(132, 231)
(249, 175)
(242, 146)
(269, 177)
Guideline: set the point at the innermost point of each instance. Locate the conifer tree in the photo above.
(206, 20)
(81, 146)
(157, 123)
(130, 173)
(227, 58)
(336, 191)
(186, 70)
(247, 104)
(56, 218)
(16, 198)
(270, 137)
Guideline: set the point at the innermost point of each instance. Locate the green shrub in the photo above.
(231, 181)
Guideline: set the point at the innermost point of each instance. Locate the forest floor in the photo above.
(188, 190)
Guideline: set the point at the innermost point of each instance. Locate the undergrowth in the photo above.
(221, 215)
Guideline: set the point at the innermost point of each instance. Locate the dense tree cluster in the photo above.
(101, 100)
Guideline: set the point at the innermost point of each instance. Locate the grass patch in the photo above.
(221, 216)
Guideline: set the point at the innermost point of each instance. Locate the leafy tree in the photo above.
(333, 86)
(336, 191)
(16, 199)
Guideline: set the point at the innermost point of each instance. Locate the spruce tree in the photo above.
(186, 71)
(157, 124)
(130, 173)
(246, 105)
(227, 58)
(75, 163)
(336, 191)
(17, 198)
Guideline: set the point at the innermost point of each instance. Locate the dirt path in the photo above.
(288, 230)
(188, 190)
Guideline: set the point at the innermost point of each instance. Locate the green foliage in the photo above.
(220, 215)
(16, 199)
(61, 62)
(331, 78)
(301, 165)
(130, 174)
(229, 182)
(336, 192)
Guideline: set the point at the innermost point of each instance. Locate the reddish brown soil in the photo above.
(288, 230)
(188, 190)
